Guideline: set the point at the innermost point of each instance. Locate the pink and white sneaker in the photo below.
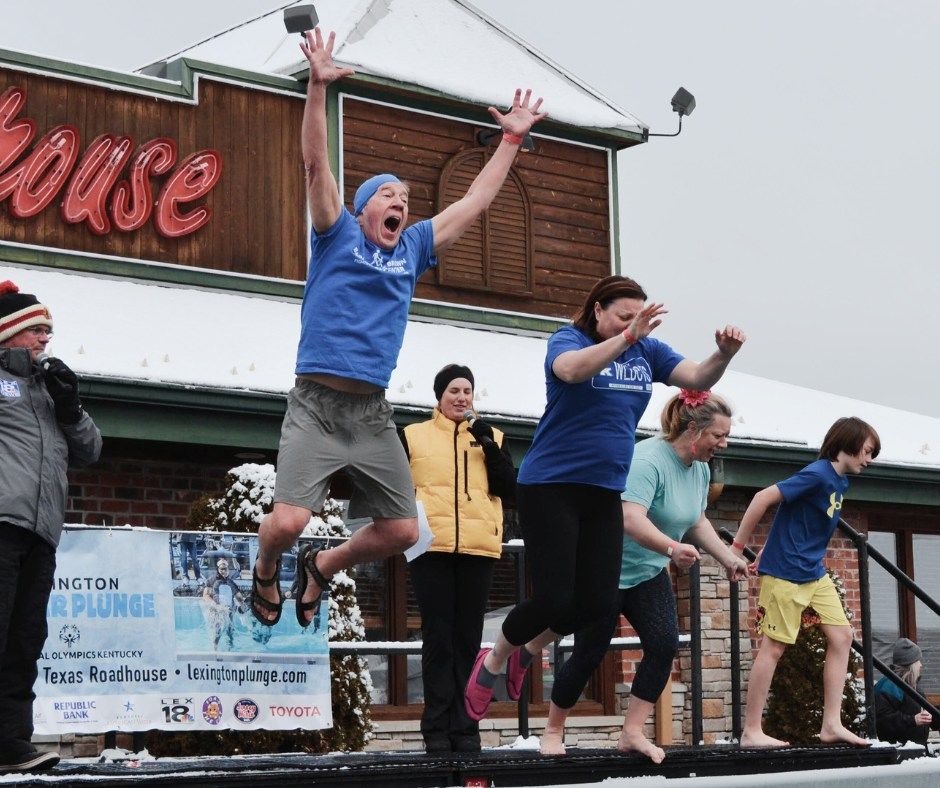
(476, 697)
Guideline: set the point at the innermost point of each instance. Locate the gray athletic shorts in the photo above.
(326, 430)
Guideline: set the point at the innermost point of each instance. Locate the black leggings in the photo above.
(651, 608)
(573, 540)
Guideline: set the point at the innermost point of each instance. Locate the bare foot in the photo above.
(552, 743)
(634, 741)
(761, 739)
(841, 734)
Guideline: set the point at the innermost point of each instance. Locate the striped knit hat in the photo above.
(19, 310)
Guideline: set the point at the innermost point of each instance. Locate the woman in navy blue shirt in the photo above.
(599, 375)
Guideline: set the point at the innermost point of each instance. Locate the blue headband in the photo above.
(364, 193)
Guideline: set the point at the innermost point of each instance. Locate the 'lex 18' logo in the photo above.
(177, 710)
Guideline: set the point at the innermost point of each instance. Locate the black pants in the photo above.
(651, 608)
(27, 567)
(573, 540)
(451, 590)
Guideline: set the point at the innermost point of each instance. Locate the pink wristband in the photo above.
(737, 545)
(629, 337)
(671, 549)
(515, 139)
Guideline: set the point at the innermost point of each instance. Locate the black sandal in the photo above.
(307, 562)
(257, 601)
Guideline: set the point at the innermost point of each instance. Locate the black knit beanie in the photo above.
(451, 372)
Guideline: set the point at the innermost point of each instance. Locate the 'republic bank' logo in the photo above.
(212, 710)
(246, 710)
(70, 635)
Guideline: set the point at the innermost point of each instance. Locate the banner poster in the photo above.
(152, 630)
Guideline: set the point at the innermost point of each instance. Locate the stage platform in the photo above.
(496, 767)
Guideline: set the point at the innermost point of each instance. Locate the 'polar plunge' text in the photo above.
(101, 605)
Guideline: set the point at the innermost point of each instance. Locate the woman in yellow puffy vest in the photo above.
(461, 473)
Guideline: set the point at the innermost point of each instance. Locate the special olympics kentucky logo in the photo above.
(70, 635)
(246, 710)
(212, 710)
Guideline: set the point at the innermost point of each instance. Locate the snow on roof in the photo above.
(123, 329)
(444, 45)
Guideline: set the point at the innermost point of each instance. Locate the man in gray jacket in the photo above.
(43, 432)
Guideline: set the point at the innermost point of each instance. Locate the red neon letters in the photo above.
(34, 182)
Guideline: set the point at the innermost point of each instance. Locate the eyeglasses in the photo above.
(40, 331)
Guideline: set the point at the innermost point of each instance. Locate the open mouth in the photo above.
(392, 223)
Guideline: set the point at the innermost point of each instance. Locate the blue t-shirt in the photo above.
(587, 432)
(674, 495)
(355, 308)
(803, 525)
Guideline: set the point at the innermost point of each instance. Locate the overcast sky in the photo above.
(799, 201)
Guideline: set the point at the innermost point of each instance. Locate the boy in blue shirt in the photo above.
(793, 576)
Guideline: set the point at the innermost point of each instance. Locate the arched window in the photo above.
(495, 253)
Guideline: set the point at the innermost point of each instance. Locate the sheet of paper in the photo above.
(425, 536)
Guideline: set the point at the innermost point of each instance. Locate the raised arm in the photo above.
(576, 366)
(323, 195)
(451, 223)
(704, 375)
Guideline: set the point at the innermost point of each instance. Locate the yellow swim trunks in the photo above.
(783, 604)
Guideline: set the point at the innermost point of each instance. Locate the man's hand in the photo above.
(62, 385)
(320, 57)
(729, 340)
(684, 555)
(520, 117)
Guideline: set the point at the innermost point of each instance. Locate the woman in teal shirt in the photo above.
(665, 497)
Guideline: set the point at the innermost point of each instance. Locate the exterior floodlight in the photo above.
(682, 103)
(486, 136)
(300, 18)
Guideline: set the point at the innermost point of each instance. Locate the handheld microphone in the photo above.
(471, 418)
(43, 360)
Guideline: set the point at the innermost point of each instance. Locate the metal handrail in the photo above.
(865, 551)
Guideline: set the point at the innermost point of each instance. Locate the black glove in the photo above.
(62, 385)
(482, 431)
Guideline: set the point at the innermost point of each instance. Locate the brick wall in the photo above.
(153, 487)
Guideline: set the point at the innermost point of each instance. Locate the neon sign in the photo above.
(34, 182)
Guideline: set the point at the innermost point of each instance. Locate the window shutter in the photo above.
(495, 253)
